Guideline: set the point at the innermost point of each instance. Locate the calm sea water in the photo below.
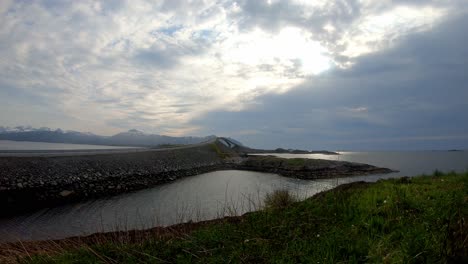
(208, 196)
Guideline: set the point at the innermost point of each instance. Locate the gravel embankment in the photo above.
(32, 182)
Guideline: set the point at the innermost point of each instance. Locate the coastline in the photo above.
(29, 183)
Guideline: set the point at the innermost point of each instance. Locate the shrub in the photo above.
(279, 199)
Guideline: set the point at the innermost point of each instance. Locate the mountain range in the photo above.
(132, 137)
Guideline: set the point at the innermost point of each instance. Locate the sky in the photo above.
(338, 75)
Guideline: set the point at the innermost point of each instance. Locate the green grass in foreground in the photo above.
(422, 220)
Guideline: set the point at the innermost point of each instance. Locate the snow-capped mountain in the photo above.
(132, 137)
(22, 129)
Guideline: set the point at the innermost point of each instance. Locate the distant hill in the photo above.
(132, 137)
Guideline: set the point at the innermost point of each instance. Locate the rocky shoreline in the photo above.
(28, 183)
(309, 169)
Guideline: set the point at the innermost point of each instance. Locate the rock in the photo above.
(20, 185)
(65, 193)
(308, 168)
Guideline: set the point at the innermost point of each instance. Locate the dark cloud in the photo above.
(411, 96)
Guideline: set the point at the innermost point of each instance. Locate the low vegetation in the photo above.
(279, 199)
(417, 220)
(218, 151)
(297, 162)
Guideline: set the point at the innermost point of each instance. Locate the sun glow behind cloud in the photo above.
(289, 45)
(279, 61)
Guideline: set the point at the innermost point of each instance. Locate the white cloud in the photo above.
(376, 31)
(360, 109)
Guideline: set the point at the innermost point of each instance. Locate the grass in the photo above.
(296, 162)
(218, 151)
(417, 220)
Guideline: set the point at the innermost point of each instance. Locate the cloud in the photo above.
(360, 109)
(162, 59)
(175, 66)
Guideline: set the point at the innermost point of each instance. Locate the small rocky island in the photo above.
(28, 183)
(309, 169)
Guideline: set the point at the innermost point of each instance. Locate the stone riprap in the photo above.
(33, 182)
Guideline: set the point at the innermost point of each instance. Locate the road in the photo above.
(81, 152)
